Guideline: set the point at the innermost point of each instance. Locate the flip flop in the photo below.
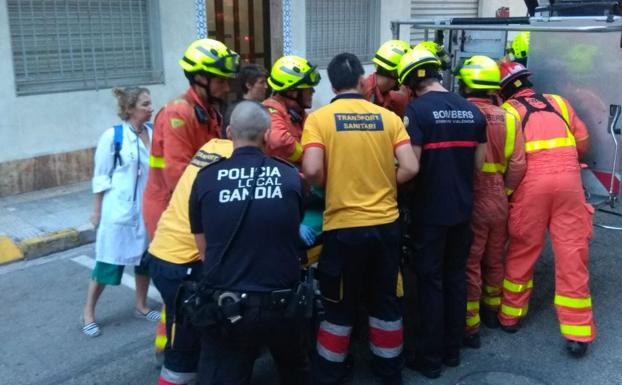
(151, 315)
(91, 330)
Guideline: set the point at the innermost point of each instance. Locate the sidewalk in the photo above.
(43, 222)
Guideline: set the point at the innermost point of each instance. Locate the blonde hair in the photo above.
(127, 98)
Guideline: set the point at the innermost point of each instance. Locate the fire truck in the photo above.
(575, 51)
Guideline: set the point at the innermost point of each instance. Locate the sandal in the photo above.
(151, 315)
(91, 330)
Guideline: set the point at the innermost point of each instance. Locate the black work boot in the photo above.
(471, 341)
(452, 358)
(510, 328)
(427, 370)
(489, 318)
(576, 349)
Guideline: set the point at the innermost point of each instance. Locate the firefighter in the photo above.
(520, 47)
(249, 199)
(448, 134)
(188, 122)
(504, 167)
(182, 127)
(350, 148)
(550, 197)
(381, 87)
(172, 258)
(292, 79)
(438, 50)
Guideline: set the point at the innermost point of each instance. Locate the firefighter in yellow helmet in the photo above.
(381, 87)
(438, 50)
(520, 47)
(293, 80)
(504, 167)
(180, 129)
(448, 134)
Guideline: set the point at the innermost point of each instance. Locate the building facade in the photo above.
(61, 59)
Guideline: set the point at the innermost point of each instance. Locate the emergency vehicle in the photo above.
(577, 56)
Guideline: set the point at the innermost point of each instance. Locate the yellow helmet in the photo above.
(211, 56)
(437, 50)
(292, 72)
(480, 73)
(389, 54)
(413, 59)
(520, 45)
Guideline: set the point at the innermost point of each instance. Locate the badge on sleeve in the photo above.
(406, 121)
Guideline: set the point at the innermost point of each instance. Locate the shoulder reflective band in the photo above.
(472, 321)
(576, 330)
(516, 287)
(562, 107)
(576, 303)
(297, 154)
(514, 311)
(510, 138)
(547, 144)
(156, 162)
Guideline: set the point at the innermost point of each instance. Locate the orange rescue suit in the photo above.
(180, 129)
(395, 101)
(286, 130)
(550, 197)
(502, 172)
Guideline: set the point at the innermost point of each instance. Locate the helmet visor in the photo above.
(229, 64)
(310, 79)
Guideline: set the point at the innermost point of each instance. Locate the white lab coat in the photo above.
(121, 235)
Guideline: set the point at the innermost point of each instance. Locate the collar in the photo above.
(194, 97)
(480, 100)
(524, 93)
(248, 150)
(349, 95)
(288, 103)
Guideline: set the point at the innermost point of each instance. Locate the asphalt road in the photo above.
(41, 342)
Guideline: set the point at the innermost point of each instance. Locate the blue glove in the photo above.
(307, 234)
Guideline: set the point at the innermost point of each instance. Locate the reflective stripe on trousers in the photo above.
(386, 338)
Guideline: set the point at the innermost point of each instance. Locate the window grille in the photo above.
(70, 45)
(335, 26)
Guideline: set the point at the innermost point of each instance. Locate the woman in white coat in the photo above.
(120, 175)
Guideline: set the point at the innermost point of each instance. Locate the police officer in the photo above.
(246, 210)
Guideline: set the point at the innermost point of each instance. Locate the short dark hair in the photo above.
(249, 74)
(344, 71)
(422, 76)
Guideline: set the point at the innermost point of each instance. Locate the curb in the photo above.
(31, 248)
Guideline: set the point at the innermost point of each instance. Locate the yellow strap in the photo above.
(517, 287)
(472, 321)
(576, 303)
(156, 161)
(510, 138)
(509, 108)
(514, 311)
(576, 330)
(492, 301)
(562, 106)
(297, 154)
(472, 305)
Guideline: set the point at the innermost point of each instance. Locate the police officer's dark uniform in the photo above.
(258, 266)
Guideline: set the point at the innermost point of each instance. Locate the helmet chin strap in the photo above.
(210, 99)
(297, 99)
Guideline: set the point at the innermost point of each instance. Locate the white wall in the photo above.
(61, 122)
(389, 10)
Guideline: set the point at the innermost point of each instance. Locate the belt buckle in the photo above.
(228, 295)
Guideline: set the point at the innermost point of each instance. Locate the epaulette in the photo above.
(283, 161)
(208, 165)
